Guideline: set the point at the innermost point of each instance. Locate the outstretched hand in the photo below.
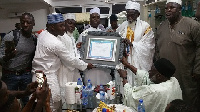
(124, 61)
(42, 92)
(90, 66)
(31, 88)
(78, 45)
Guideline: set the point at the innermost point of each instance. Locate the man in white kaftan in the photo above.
(68, 73)
(96, 75)
(140, 38)
(158, 87)
(51, 53)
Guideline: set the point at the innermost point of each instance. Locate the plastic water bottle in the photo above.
(102, 93)
(84, 97)
(90, 94)
(89, 85)
(141, 107)
(79, 82)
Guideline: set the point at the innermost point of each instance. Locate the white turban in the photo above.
(176, 1)
(133, 5)
(95, 10)
(69, 16)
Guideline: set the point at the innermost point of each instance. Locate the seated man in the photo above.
(9, 101)
(157, 89)
(179, 105)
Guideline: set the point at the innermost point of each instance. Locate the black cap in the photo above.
(113, 17)
(165, 67)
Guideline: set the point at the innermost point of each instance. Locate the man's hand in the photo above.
(122, 73)
(9, 54)
(78, 45)
(42, 92)
(90, 66)
(31, 88)
(127, 41)
(125, 62)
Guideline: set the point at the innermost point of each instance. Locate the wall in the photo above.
(7, 24)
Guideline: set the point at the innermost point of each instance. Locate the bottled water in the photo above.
(102, 93)
(89, 85)
(79, 82)
(141, 107)
(90, 94)
(84, 97)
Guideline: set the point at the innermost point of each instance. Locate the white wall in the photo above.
(8, 24)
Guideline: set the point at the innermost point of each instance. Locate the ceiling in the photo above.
(20, 6)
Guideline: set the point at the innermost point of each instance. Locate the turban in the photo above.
(165, 67)
(133, 5)
(176, 1)
(55, 18)
(113, 17)
(95, 10)
(69, 16)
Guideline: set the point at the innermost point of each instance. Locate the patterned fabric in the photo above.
(130, 34)
(55, 18)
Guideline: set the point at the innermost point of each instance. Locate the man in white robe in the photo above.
(51, 53)
(96, 75)
(68, 73)
(158, 86)
(140, 37)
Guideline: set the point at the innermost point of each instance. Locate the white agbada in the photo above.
(68, 73)
(155, 96)
(50, 54)
(96, 75)
(141, 54)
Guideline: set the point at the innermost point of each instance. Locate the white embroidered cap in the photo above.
(133, 5)
(69, 16)
(176, 1)
(95, 10)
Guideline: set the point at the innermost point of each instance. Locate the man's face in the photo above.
(94, 20)
(172, 11)
(154, 75)
(114, 24)
(132, 15)
(59, 28)
(27, 23)
(3, 94)
(70, 25)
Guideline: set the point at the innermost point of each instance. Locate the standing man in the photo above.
(113, 23)
(178, 40)
(140, 38)
(68, 73)
(16, 56)
(51, 53)
(97, 75)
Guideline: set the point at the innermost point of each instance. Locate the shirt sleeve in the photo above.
(69, 60)
(7, 37)
(144, 50)
(196, 37)
(142, 77)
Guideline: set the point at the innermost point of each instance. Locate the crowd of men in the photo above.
(169, 84)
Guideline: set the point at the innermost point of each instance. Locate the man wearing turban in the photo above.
(140, 39)
(96, 75)
(178, 40)
(158, 87)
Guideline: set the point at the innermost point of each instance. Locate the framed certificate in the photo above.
(102, 49)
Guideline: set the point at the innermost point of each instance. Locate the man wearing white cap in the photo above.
(178, 40)
(140, 38)
(68, 73)
(51, 54)
(96, 75)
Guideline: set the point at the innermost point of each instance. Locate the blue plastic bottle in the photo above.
(84, 97)
(79, 82)
(102, 93)
(141, 107)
